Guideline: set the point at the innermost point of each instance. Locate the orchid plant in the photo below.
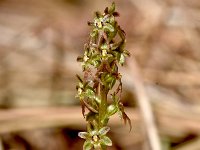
(100, 87)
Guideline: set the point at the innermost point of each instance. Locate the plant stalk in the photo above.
(103, 106)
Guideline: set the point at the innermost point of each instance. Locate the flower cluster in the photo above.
(102, 54)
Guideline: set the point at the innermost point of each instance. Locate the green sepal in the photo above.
(112, 20)
(90, 92)
(112, 83)
(112, 8)
(108, 80)
(111, 110)
(116, 55)
(95, 60)
(94, 33)
(106, 141)
(108, 77)
(108, 27)
(87, 145)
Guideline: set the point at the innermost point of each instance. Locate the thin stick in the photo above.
(145, 106)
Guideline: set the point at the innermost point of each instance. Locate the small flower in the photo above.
(96, 138)
(85, 58)
(80, 91)
(104, 52)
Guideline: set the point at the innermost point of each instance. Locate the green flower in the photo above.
(96, 138)
(104, 51)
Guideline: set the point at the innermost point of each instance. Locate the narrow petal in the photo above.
(112, 8)
(104, 130)
(83, 135)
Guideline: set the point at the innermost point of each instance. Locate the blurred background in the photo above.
(39, 43)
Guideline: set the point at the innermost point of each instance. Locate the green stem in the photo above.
(103, 106)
